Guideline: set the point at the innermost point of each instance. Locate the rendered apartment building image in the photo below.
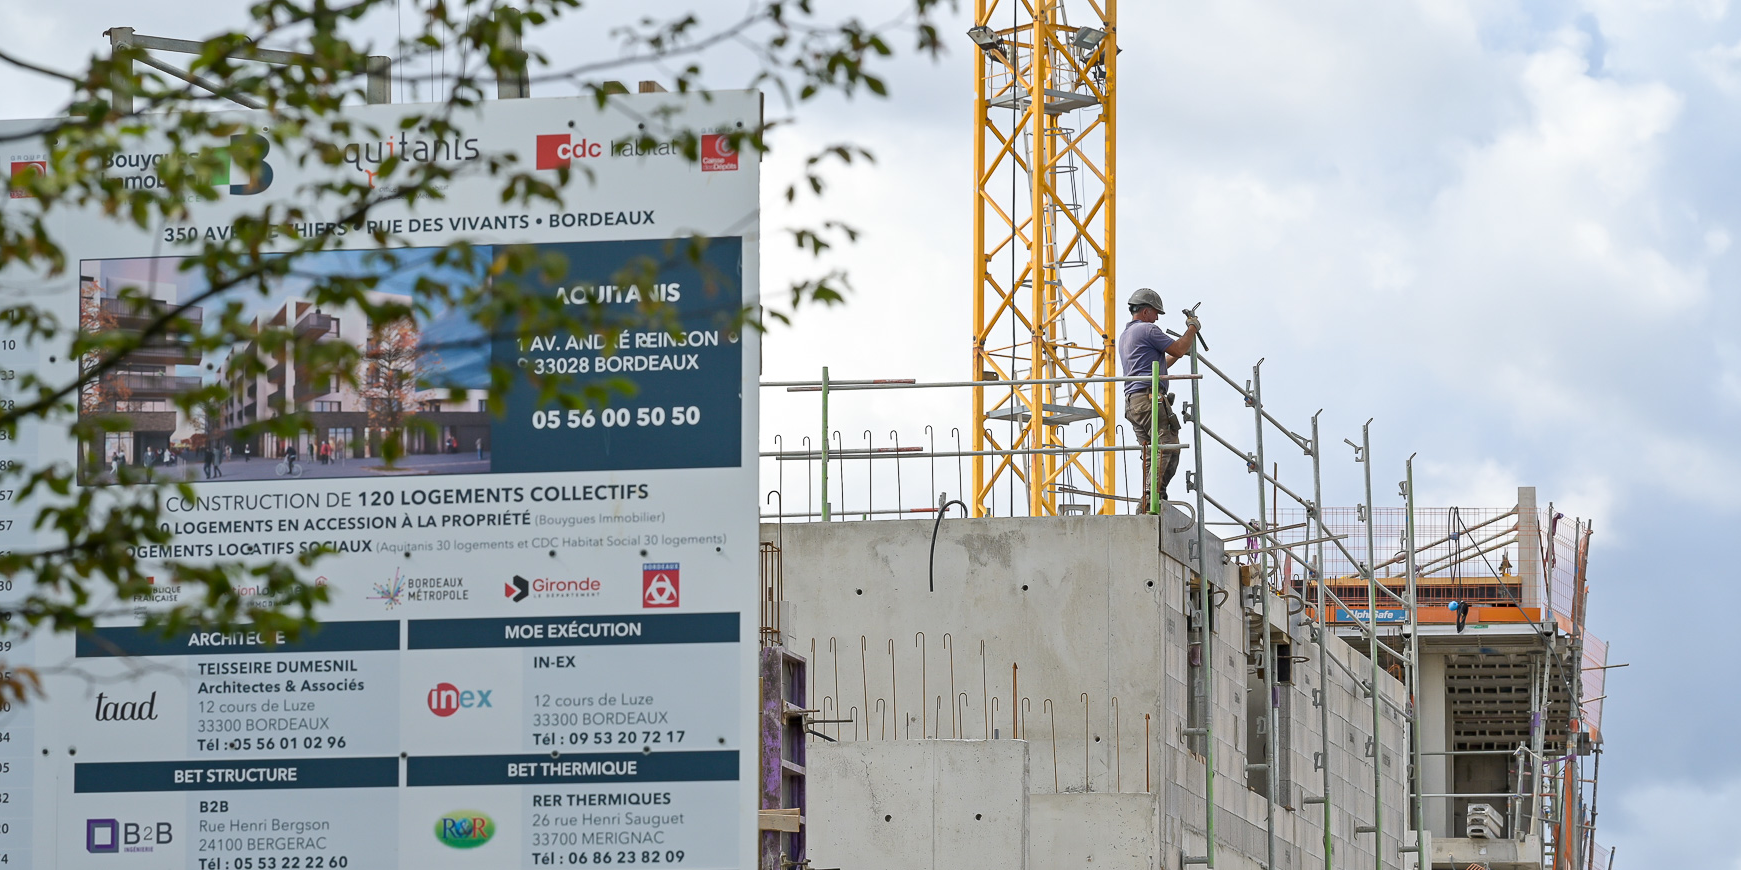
(353, 421)
(137, 399)
(140, 392)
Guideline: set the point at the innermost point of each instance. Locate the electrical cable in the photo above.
(1462, 604)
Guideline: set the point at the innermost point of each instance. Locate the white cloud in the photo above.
(1673, 824)
(1483, 483)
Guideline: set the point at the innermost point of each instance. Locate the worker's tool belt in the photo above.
(1166, 396)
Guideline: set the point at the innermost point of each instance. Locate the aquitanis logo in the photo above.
(367, 157)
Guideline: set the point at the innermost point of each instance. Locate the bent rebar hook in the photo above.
(942, 508)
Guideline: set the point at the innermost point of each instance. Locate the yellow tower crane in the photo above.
(1044, 306)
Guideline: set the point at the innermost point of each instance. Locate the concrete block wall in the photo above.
(1091, 606)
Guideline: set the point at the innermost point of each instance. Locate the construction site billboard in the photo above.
(540, 649)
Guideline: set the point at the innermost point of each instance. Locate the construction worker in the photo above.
(1140, 346)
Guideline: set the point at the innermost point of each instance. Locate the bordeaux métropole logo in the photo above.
(464, 829)
(111, 710)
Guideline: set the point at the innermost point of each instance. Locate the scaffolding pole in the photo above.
(1204, 596)
(1423, 856)
(1323, 629)
(1264, 560)
(1377, 826)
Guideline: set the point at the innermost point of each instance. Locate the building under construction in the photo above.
(976, 656)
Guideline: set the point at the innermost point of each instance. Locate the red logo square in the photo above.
(22, 170)
(717, 154)
(553, 151)
(659, 584)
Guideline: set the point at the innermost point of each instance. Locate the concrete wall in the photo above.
(1100, 831)
(1072, 634)
(946, 804)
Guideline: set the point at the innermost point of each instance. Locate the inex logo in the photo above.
(556, 150)
(717, 154)
(447, 699)
(105, 836)
(659, 584)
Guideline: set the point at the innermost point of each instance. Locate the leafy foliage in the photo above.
(121, 99)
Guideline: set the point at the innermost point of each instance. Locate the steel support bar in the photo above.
(1275, 547)
(199, 81)
(189, 46)
(1156, 462)
(1268, 646)
(1472, 550)
(378, 69)
(1416, 779)
(516, 85)
(1322, 636)
(1245, 394)
(1259, 470)
(842, 456)
(824, 450)
(1377, 715)
(1475, 752)
(1208, 593)
(1446, 539)
(813, 386)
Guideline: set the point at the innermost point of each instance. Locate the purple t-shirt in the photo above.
(1139, 347)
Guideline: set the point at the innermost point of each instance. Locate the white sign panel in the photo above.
(541, 647)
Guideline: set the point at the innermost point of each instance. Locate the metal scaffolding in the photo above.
(1351, 597)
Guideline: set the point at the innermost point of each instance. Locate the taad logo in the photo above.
(111, 710)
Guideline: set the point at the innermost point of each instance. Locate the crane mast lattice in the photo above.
(1044, 303)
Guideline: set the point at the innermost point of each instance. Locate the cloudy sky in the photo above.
(1503, 230)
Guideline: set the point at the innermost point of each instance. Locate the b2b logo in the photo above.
(103, 836)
